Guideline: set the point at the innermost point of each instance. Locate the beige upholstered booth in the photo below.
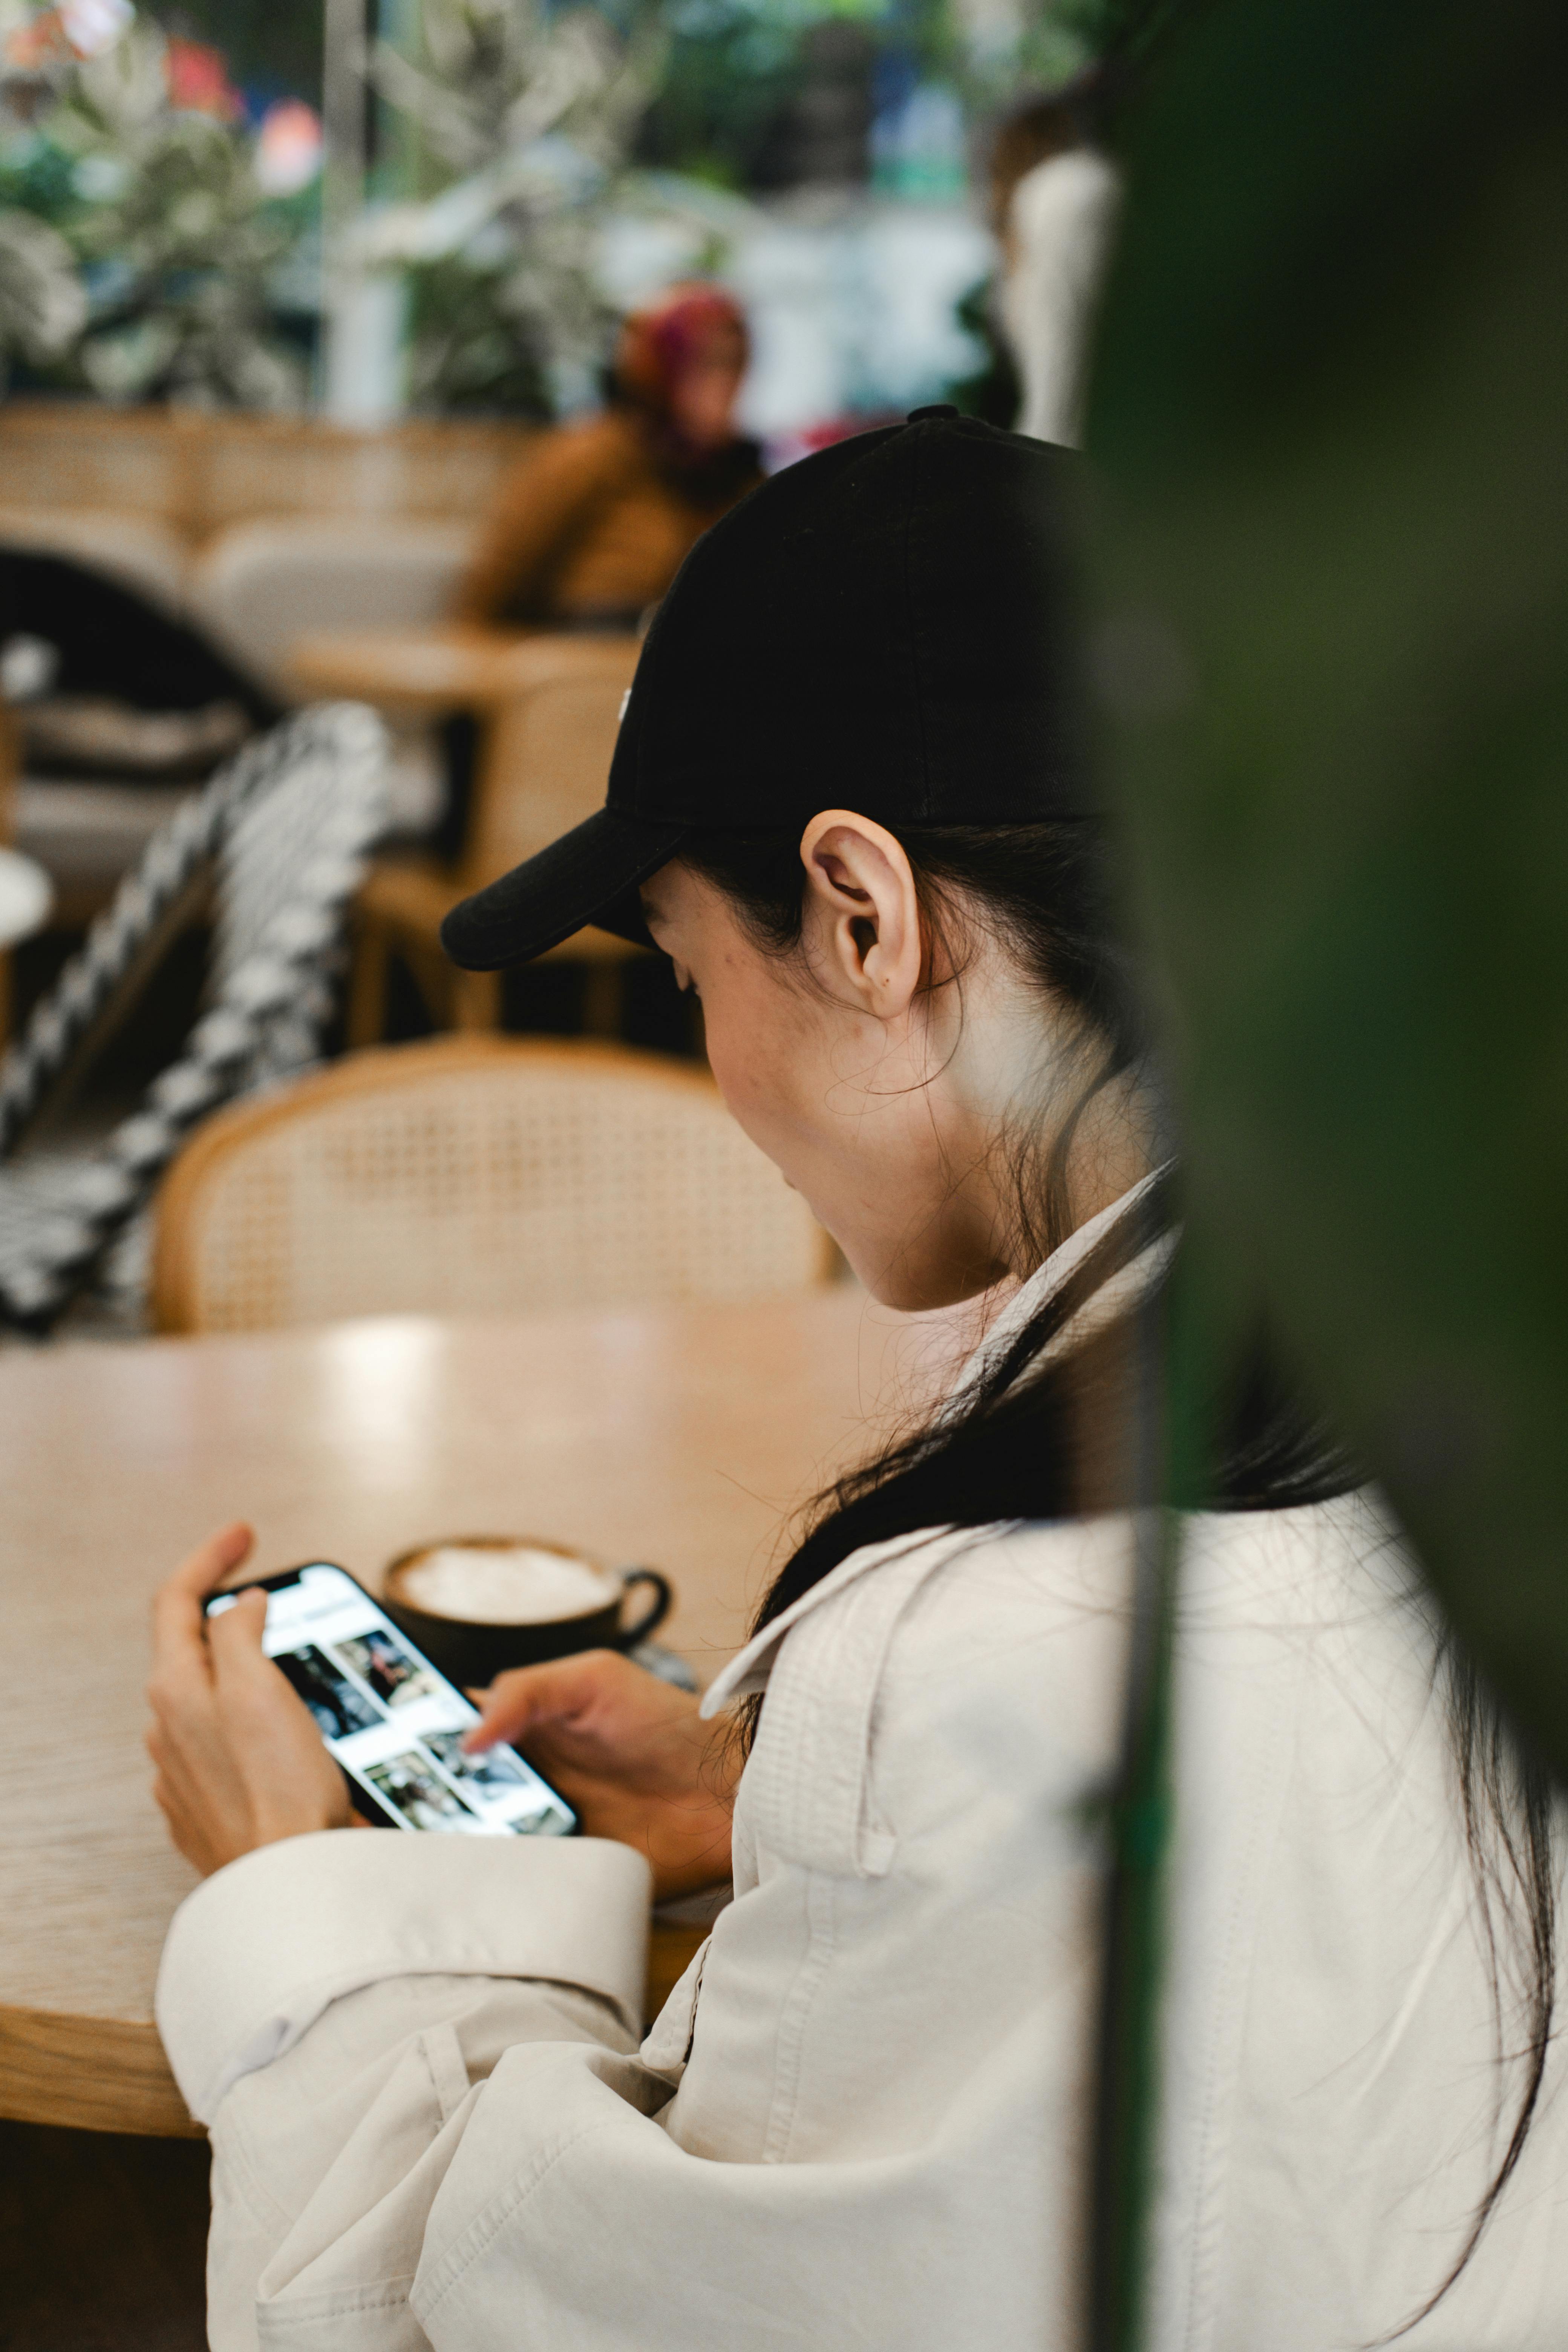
(542, 769)
(472, 1175)
(261, 586)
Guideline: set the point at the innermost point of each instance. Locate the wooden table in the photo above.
(676, 1437)
(441, 666)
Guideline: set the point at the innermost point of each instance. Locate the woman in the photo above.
(592, 525)
(848, 802)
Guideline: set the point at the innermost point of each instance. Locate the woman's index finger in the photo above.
(511, 1703)
(523, 1697)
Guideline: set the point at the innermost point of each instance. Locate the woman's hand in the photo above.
(240, 1761)
(630, 1753)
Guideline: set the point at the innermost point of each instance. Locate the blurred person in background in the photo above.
(593, 523)
(592, 527)
(1053, 203)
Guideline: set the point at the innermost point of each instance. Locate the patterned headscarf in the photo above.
(659, 342)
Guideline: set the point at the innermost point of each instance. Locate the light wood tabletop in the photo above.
(678, 1437)
(442, 666)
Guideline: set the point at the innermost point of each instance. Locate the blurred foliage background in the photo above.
(527, 169)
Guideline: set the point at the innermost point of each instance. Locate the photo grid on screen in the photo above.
(393, 1722)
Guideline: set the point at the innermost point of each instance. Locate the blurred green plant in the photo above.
(526, 120)
(495, 76)
(43, 306)
(1330, 412)
(136, 161)
(469, 349)
(179, 239)
(1329, 418)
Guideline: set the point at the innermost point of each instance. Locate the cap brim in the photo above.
(589, 875)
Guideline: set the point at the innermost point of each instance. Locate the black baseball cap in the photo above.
(887, 626)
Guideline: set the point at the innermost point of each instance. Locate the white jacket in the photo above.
(860, 2120)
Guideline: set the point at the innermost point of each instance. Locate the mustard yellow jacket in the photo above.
(590, 525)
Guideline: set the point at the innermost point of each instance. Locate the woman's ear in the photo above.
(863, 911)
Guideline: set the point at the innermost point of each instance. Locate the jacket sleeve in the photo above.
(542, 503)
(462, 2165)
(327, 2004)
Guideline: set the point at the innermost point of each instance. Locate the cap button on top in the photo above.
(940, 408)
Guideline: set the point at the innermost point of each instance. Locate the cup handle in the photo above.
(654, 1614)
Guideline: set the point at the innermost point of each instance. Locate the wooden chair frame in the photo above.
(403, 903)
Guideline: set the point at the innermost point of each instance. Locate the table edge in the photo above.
(110, 2073)
(90, 2074)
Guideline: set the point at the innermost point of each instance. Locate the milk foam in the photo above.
(518, 1586)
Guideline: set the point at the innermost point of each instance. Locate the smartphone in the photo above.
(391, 1718)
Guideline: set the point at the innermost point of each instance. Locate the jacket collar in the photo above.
(748, 1670)
(1111, 1299)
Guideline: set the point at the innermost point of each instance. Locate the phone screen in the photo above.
(391, 1719)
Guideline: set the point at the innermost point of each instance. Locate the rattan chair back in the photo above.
(475, 1175)
(547, 754)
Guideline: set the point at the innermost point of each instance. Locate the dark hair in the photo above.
(1039, 1436)
(1506, 1797)
(1031, 133)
